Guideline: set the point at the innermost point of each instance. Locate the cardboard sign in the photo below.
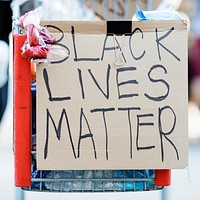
(118, 100)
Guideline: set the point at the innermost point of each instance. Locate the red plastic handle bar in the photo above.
(162, 177)
(22, 115)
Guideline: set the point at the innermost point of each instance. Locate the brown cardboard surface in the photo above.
(93, 113)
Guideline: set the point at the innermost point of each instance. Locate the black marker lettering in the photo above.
(85, 136)
(162, 134)
(130, 44)
(158, 98)
(158, 41)
(107, 82)
(104, 110)
(46, 80)
(58, 29)
(118, 45)
(114, 48)
(119, 84)
(130, 127)
(106, 48)
(75, 49)
(81, 83)
(66, 51)
(140, 124)
(59, 44)
(57, 130)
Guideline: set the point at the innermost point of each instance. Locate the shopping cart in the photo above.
(26, 174)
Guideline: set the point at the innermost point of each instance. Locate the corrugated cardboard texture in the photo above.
(116, 102)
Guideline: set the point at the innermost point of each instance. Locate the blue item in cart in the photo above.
(155, 15)
(137, 185)
(33, 89)
(37, 174)
(139, 14)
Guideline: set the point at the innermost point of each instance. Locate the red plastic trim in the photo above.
(22, 115)
(162, 177)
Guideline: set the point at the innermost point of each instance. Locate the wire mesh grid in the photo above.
(93, 181)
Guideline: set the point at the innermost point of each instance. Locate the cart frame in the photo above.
(22, 138)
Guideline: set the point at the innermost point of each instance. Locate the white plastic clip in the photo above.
(119, 60)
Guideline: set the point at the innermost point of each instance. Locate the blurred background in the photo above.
(185, 182)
